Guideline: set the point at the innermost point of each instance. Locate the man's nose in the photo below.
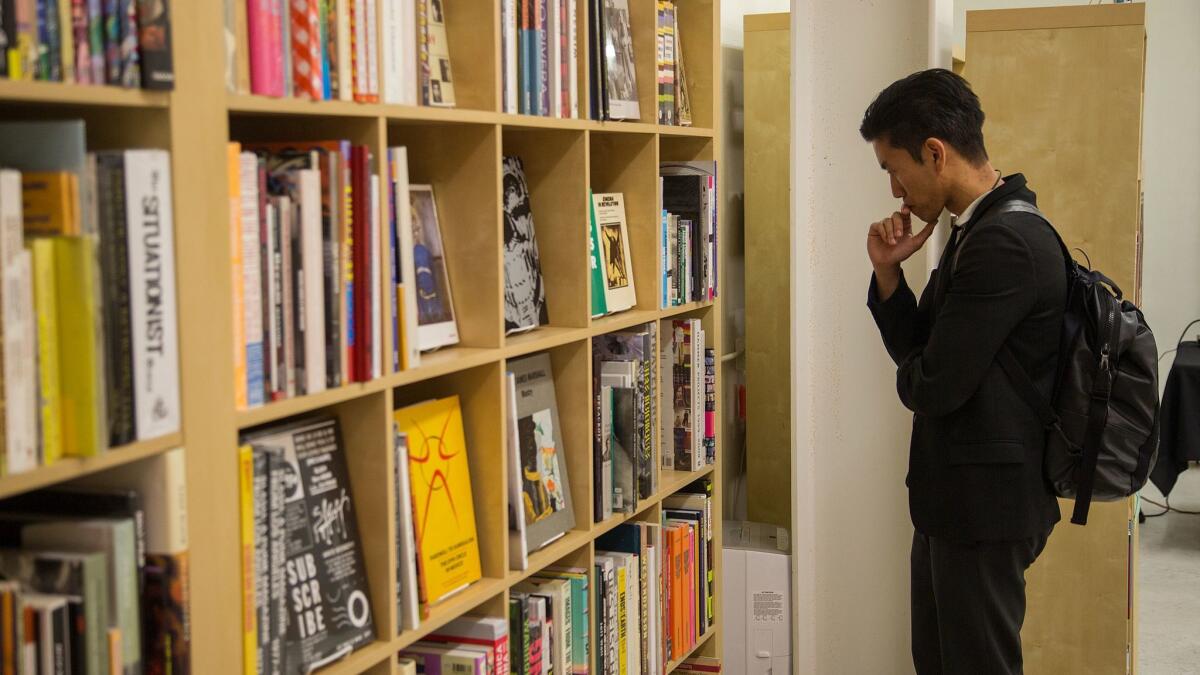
(897, 190)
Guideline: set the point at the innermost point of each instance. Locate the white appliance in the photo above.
(757, 611)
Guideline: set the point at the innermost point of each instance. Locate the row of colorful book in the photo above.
(539, 57)
(95, 573)
(90, 349)
(351, 50)
(305, 598)
(125, 43)
(625, 415)
(688, 209)
(654, 586)
(689, 442)
(674, 102)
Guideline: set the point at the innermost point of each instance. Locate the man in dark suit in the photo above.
(980, 505)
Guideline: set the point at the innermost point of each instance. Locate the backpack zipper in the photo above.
(1109, 320)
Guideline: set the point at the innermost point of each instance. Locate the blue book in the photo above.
(526, 41)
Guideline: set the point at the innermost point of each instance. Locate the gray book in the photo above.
(82, 578)
(116, 539)
(545, 486)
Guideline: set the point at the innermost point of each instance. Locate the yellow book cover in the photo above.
(45, 306)
(50, 202)
(81, 361)
(246, 522)
(233, 153)
(443, 509)
(622, 620)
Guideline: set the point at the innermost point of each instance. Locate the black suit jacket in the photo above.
(975, 463)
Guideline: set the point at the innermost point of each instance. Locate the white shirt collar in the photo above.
(965, 216)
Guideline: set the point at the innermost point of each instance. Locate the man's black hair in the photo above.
(934, 103)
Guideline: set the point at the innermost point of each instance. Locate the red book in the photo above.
(360, 171)
(307, 78)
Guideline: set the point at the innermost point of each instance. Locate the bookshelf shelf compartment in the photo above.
(70, 468)
(443, 362)
(278, 410)
(451, 608)
(539, 339)
(573, 545)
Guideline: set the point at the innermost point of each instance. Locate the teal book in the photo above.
(599, 303)
(580, 617)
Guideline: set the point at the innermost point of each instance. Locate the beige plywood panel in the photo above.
(768, 319)
(1072, 125)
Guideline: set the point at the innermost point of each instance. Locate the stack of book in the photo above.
(689, 442)
(304, 586)
(688, 191)
(688, 581)
(476, 645)
(96, 573)
(79, 232)
(625, 396)
(674, 103)
(699, 665)
(549, 619)
(307, 306)
(539, 57)
(541, 508)
(437, 547)
(350, 50)
(611, 277)
(124, 43)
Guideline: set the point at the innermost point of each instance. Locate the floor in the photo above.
(1169, 582)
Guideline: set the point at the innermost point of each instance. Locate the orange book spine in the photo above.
(233, 168)
(677, 597)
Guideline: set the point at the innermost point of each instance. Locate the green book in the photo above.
(599, 303)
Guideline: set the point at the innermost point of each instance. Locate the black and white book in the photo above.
(329, 611)
(524, 290)
(620, 80)
(545, 489)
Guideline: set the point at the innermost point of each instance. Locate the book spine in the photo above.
(258, 22)
(573, 65)
(389, 22)
(275, 302)
(358, 34)
(262, 556)
(306, 49)
(710, 406)
(49, 41)
(251, 279)
(112, 41)
(394, 289)
(349, 267)
(528, 62)
(249, 596)
(325, 39)
(287, 313)
(340, 28)
(154, 42)
(121, 424)
(373, 280)
(131, 70)
(277, 611)
(152, 292)
(238, 268)
(330, 220)
(283, 43)
(296, 280)
(82, 340)
(699, 457)
(79, 42)
(66, 40)
(45, 304)
(313, 289)
(372, 39)
(553, 55)
(541, 85)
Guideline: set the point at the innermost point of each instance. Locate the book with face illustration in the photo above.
(545, 489)
(524, 291)
(436, 324)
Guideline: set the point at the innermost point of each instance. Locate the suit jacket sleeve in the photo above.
(992, 289)
(903, 324)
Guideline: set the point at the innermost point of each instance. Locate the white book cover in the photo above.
(410, 616)
(372, 48)
(518, 555)
(17, 363)
(252, 279)
(409, 78)
(616, 263)
(573, 49)
(376, 260)
(359, 43)
(345, 64)
(509, 35)
(152, 292)
(313, 289)
(21, 405)
(408, 272)
(389, 24)
(554, 53)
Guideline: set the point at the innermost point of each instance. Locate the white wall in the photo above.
(1171, 172)
(850, 450)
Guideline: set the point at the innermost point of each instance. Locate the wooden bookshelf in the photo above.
(459, 151)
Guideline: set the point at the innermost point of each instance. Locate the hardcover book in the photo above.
(436, 323)
(616, 264)
(620, 74)
(438, 77)
(524, 290)
(545, 489)
(443, 508)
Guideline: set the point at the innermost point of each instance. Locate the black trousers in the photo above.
(968, 604)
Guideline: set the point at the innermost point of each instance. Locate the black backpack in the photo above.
(1102, 420)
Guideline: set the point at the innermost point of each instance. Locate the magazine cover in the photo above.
(524, 292)
(545, 492)
(615, 260)
(620, 74)
(436, 326)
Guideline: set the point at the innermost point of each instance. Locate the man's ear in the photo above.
(935, 151)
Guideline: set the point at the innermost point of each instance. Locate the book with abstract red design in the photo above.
(443, 510)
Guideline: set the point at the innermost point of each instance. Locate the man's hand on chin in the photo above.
(890, 242)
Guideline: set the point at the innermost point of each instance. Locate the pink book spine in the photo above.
(263, 31)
